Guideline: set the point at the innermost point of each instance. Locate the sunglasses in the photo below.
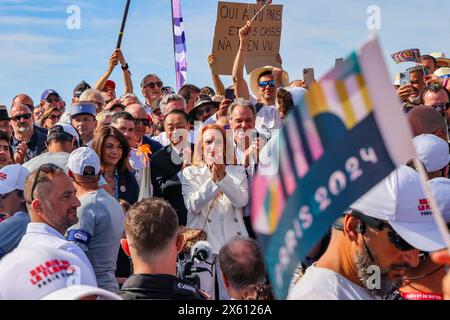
(54, 99)
(47, 168)
(393, 236)
(441, 106)
(264, 84)
(145, 122)
(25, 116)
(201, 111)
(6, 195)
(54, 117)
(153, 84)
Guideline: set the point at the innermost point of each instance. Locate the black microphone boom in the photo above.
(122, 27)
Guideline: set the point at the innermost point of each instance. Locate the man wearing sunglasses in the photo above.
(12, 203)
(374, 243)
(141, 122)
(25, 99)
(438, 97)
(51, 98)
(263, 83)
(151, 87)
(27, 142)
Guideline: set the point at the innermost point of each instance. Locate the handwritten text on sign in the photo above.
(264, 42)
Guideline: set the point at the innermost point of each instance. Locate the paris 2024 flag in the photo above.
(341, 138)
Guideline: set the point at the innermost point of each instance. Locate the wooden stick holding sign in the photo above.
(265, 4)
(122, 27)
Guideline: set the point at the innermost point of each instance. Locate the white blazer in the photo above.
(223, 200)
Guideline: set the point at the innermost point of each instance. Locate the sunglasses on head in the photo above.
(45, 168)
(25, 116)
(153, 84)
(145, 122)
(270, 83)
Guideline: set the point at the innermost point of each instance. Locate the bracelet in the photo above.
(126, 66)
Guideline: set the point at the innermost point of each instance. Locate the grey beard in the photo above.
(386, 285)
(23, 129)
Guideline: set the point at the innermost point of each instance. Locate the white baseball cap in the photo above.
(399, 199)
(440, 188)
(12, 177)
(82, 158)
(432, 151)
(31, 273)
(79, 292)
(61, 128)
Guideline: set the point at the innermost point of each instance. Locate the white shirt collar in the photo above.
(38, 227)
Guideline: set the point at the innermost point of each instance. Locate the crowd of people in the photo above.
(110, 197)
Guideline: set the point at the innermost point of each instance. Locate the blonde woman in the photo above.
(215, 193)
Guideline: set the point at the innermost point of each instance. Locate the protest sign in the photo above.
(343, 137)
(265, 36)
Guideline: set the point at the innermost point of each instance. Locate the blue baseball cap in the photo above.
(48, 92)
(83, 108)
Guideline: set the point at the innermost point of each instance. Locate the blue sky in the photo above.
(38, 51)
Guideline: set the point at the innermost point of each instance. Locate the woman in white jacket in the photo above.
(215, 193)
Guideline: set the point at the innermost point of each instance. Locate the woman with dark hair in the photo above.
(6, 151)
(113, 149)
(215, 193)
(50, 117)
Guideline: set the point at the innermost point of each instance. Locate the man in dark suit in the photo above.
(168, 162)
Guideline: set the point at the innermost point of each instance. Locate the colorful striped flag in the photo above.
(179, 44)
(343, 137)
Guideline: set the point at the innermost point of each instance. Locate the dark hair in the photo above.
(178, 113)
(428, 57)
(99, 141)
(284, 99)
(122, 115)
(185, 91)
(259, 291)
(242, 263)
(7, 138)
(150, 224)
(265, 73)
(434, 88)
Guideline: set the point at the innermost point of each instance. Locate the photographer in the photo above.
(153, 242)
(412, 85)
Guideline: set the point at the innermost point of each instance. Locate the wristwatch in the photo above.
(126, 66)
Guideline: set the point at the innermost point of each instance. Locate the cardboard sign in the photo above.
(265, 35)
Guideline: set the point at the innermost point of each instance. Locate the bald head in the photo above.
(427, 120)
(136, 110)
(22, 99)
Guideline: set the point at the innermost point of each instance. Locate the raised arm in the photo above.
(126, 72)
(218, 84)
(113, 61)
(240, 85)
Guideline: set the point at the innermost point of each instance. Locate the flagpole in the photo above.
(122, 27)
(267, 2)
(174, 46)
(437, 215)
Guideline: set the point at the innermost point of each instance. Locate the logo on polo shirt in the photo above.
(49, 271)
(424, 207)
(3, 176)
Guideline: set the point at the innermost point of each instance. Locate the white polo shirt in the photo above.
(42, 234)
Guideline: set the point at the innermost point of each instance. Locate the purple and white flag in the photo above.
(179, 44)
